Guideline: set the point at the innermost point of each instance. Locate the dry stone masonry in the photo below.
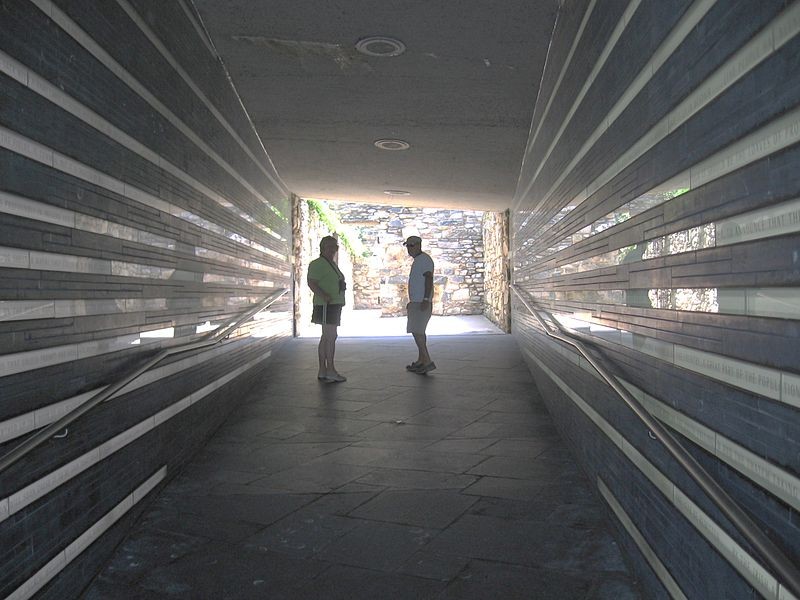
(454, 239)
(495, 242)
(461, 242)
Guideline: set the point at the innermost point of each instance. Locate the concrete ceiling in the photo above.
(462, 94)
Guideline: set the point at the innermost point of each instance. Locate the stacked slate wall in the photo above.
(453, 238)
(658, 214)
(138, 209)
(497, 305)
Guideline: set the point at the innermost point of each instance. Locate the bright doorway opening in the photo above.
(469, 249)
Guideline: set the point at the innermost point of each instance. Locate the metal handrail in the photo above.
(211, 339)
(770, 552)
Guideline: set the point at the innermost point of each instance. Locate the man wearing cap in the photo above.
(420, 303)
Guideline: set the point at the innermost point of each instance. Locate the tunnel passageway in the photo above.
(391, 485)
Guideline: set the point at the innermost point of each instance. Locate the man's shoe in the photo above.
(423, 369)
(336, 378)
(413, 366)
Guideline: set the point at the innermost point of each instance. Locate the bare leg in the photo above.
(322, 353)
(327, 349)
(421, 340)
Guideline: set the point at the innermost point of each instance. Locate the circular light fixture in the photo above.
(392, 144)
(379, 45)
(396, 193)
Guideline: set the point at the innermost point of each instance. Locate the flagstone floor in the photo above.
(388, 486)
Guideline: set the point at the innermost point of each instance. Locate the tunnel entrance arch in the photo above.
(470, 249)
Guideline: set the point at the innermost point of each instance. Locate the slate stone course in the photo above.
(555, 238)
(179, 226)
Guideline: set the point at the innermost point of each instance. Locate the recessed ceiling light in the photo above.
(379, 45)
(392, 144)
(396, 193)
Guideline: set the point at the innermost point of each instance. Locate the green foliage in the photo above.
(674, 193)
(624, 252)
(347, 235)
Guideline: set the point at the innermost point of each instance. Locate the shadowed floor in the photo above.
(390, 485)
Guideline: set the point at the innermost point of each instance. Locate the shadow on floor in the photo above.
(390, 485)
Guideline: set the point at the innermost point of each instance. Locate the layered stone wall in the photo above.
(470, 250)
(138, 211)
(454, 240)
(495, 242)
(657, 213)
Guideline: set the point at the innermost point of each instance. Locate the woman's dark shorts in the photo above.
(332, 312)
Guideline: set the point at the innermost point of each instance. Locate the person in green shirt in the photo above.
(328, 284)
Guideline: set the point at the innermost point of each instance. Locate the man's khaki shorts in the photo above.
(418, 318)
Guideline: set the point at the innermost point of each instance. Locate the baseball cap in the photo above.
(412, 240)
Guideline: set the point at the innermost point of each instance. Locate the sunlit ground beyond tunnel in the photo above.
(368, 323)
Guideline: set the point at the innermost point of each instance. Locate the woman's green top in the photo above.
(326, 275)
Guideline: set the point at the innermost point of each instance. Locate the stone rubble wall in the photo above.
(298, 242)
(469, 249)
(453, 239)
(497, 306)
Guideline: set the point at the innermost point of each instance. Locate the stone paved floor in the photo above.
(370, 323)
(391, 485)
